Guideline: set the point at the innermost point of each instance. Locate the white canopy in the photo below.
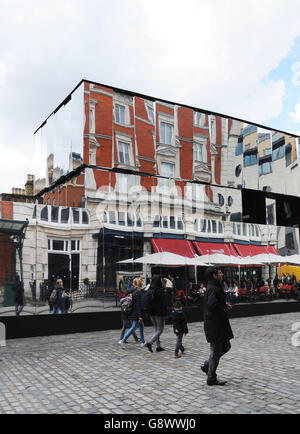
(219, 258)
(164, 258)
(267, 258)
(293, 259)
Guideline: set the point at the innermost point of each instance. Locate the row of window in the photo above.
(120, 118)
(208, 226)
(122, 219)
(64, 245)
(63, 215)
(246, 230)
(168, 222)
(252, 158)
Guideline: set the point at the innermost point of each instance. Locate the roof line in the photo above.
(130, 92)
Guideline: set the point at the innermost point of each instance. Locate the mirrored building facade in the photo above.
(119, 175)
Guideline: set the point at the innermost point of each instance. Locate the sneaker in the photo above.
(149, 346)
(122, 344)
(183, 350)
(143, 344)
(158, 349)
(176, 356)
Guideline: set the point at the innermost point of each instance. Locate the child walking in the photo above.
(180, 327)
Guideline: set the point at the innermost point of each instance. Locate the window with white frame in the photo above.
(92, 120)
(166, 133)
(124, 152)
(168, 222)
(75, 245)
(198, 152)
(150, 112)
(168, 170)
(122, 183)
(122, 218)
(198, 119)
(120, 114)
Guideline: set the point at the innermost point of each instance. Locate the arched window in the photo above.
(138, 221)
(44, 214)
(65, 214)
(179, 224)
(85, 217)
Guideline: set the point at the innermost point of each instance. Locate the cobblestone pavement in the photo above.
(91, 373)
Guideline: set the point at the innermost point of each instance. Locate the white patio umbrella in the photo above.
(267, 258)
(163, 258)
(219, 258)
(126, 261)
(293, 259)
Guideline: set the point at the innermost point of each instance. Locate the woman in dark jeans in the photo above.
(158, 313)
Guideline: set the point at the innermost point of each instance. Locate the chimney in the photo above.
(29, 185)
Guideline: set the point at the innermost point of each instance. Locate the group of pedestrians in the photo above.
(145, 302)
(58, 298)
(153, 301)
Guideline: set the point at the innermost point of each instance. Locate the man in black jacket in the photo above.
(216, 324)
(19, 295)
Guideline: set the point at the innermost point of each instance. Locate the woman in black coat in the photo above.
(158, 312)
(217, 328)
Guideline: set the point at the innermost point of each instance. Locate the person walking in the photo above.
(217, 328)
(135, 314)
(65, 301)
(19, 295)
(158, 312)
(55, 297)
(180, 327)
(126, 323)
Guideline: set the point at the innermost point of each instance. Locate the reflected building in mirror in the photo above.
(122, 174)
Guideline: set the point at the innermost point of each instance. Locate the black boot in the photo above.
(215, 382)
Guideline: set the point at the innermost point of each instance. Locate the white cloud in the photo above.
(296, 114)
(212, 54)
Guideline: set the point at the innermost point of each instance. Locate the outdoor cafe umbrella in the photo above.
(161, 258)
(220, 259)
(293, 259)
(268, 258)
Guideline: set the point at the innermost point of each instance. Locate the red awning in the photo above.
(179, 247)
(205, 248)
(252, 249)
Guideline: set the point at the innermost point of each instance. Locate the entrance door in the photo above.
(75, 271)
(59, 268)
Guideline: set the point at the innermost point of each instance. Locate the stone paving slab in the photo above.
(90, 373)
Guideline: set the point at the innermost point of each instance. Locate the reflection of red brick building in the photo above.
(127, 131)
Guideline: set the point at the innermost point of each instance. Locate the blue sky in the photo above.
(288, 70)
(231, 57)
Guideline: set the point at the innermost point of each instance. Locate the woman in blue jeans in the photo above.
(136, 315)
